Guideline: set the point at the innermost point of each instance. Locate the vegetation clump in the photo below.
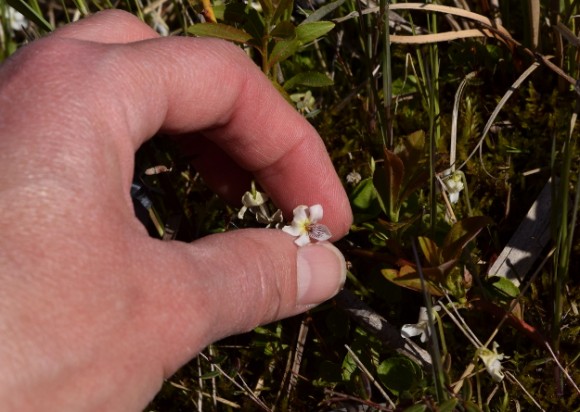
(446, 121)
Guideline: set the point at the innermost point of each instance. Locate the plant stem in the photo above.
(432, 79)
(438, 374)
(388, 138)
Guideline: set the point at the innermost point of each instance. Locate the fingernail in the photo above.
(321, 273)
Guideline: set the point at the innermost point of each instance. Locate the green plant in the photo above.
(272, 34)
(427, 98)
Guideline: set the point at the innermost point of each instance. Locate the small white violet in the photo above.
(421, 328)
(304, 101)
(255, 201)
(252, 200)
(490, 359)
(353, 178)
(454, 185)
(305, 225)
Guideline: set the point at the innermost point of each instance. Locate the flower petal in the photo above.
(293, 230)
(319, 232)
(494, 369)
(300, 214)
(242, 212)
(315, 213)
(249, 200)
(453, 197)
(302, 240)
(410, 330)
(423, 317)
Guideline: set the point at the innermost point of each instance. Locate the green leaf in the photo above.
(232, 13)
(471, 407)
(348, 367)
(282, 50)
(308, 32)
(364, 194)
(455, 283)
(323, 11)
(284, 30)
(397, 374)
(220, 31)
(467, 389)
(449, 405)
(416, 408)
(210, 375)
(254, 25)
(309, 79)
(430, 250)
(285, 6)
(504, 287)
(31, 14)
(364, 201)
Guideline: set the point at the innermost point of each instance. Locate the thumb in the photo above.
(232, 282)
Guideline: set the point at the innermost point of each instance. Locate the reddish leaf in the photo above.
(461, 234)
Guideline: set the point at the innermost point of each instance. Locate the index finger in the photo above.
(183, 85)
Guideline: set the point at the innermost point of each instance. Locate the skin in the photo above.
(94, 314)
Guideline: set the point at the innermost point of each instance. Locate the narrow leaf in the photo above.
(408, 277)
(449, 405)
(309, 79)
(282, 50)
(220, 31)
(430, 250)
(387, 180)
(307, 32)
(323, 11)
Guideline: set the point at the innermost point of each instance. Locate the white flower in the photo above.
(353, 178)
(305, 226)
(252, 201)
(421, 328)
(304, 101)
(490, 359)
(454, 185)
(16, 19)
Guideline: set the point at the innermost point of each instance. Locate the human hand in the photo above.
(94, 313)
